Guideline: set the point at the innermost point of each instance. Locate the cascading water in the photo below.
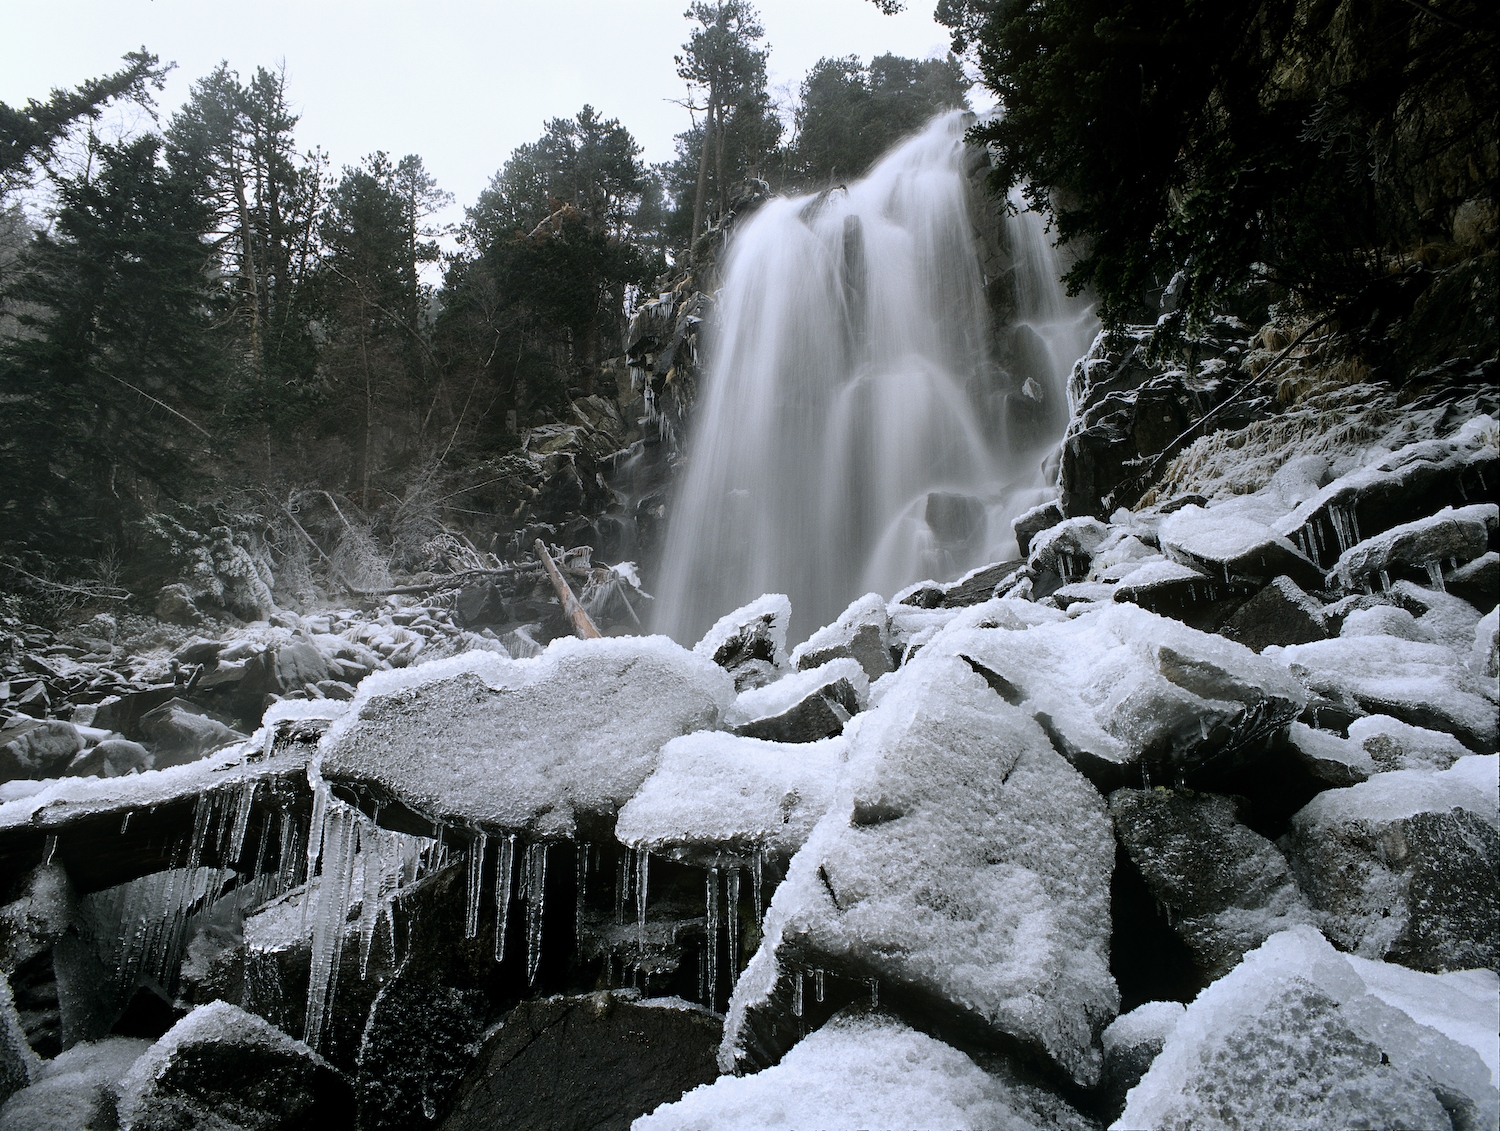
(852, 432)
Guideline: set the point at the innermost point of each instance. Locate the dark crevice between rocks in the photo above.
(1148, 960)
(1006, 690)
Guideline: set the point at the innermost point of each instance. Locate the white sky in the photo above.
(460, 82)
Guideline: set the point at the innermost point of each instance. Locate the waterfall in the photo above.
(853, 431)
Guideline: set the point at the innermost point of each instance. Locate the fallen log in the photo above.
(581, 622)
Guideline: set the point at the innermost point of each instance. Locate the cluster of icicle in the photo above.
(155, 916)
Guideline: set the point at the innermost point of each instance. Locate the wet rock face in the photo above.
(971, 880)
(1225, 889)
(596, 1060)
(223, 1067)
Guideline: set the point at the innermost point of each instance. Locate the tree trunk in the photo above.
(708, 136)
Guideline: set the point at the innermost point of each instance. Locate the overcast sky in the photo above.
(460, 82)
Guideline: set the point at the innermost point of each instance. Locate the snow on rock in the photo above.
(1224, 888)
(750, 643)
(1385, 620)
(1394, 745)
(1330, 758)
(1067, 548)
(75, 1090)
(861, 631)
(716, 795)
(1132, 1042)
(1420, 684)
(1484, 656)
(1120, 687)
(222, 1067)
(965, 865)
(538, 744)
(1449, 619)
(1402, 867)
(1226, 542)
(1281, 613)
(865, 1070)
(1461, 535)
(1299, 1035)
(804, 706)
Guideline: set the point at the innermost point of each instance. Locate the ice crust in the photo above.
(715, 794)
(1471, 784)
(1391, 744)
(1462, 533)
(74, 1089)
(1221, 535)
(964, 859)
(511, 743)
(856, 1071)
(776, 698)
(1299, 1035)
(1152, 1022)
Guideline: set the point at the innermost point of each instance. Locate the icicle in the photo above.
(125, 824)
(1385, 582)
(268, 745)
(796, 993)
(503, 868)
(581, 862)
(874, 993)
(734, 923)
(757, 864)
(1435, 575)
(241, 826)
(711, 930)
(49, 848)
(622, 884)
(339, 827)
(476, 884)
(818, 983)
(643, 868)
(375, 850)
(536, 897)
(315, 838)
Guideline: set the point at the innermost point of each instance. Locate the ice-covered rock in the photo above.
(1383, 620)
(38, 749)
(965, 865)
(1120, 687)
(180, 732)
(1330, 758)
(221, 1067)
(750, 643)
(1484, 653)
(75, 1090)
(1027, 525)
(1281, 613)
(1477, 582)
(1226, 543)
(1394, 745)
(716, 795)
(112, 758)
(1402, 867)
(804, 706)
(1224, 888)
(1068, 547)
(543, 745)
(862, 631)
(1449, 619)
(1420, 684)
(1299, 1035)
(1131, 1043)
(866, 1070)
(1449, 535)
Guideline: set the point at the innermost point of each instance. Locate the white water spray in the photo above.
(851, 434)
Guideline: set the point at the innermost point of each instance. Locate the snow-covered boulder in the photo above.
(1394, 745)
(1281, 613)
(866, 1070)
(1226, 543)
(1067, 548)
(1299, 1035)
(1225, 889)
(1402, 867)
(1457, 535)
(1420, 684)
(75, 1090)
(221, 1067)
(750, 643)
(965, 866)
(804, 706)
(1131, 1043)
(862, 631)
(543, 745)
(1120, 687)
(1329, 757)
(715, 795)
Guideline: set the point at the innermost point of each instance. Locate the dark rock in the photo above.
(75, 1091)
(977, 585)
(479, 605)
(1228, 545)
(750, 643)
(38, 749)
(1225, 890)
(1131, 1043)
(199, 651)
(821, 713)
(1462, 535)
(1031, 523)
(1281, 613)
(287, 667)
(861, 632)
(1478, 582)
(181, 732)
(595, 1061)
(16, 1057)
(174, 604)
(112, 758)
(220, 1067)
